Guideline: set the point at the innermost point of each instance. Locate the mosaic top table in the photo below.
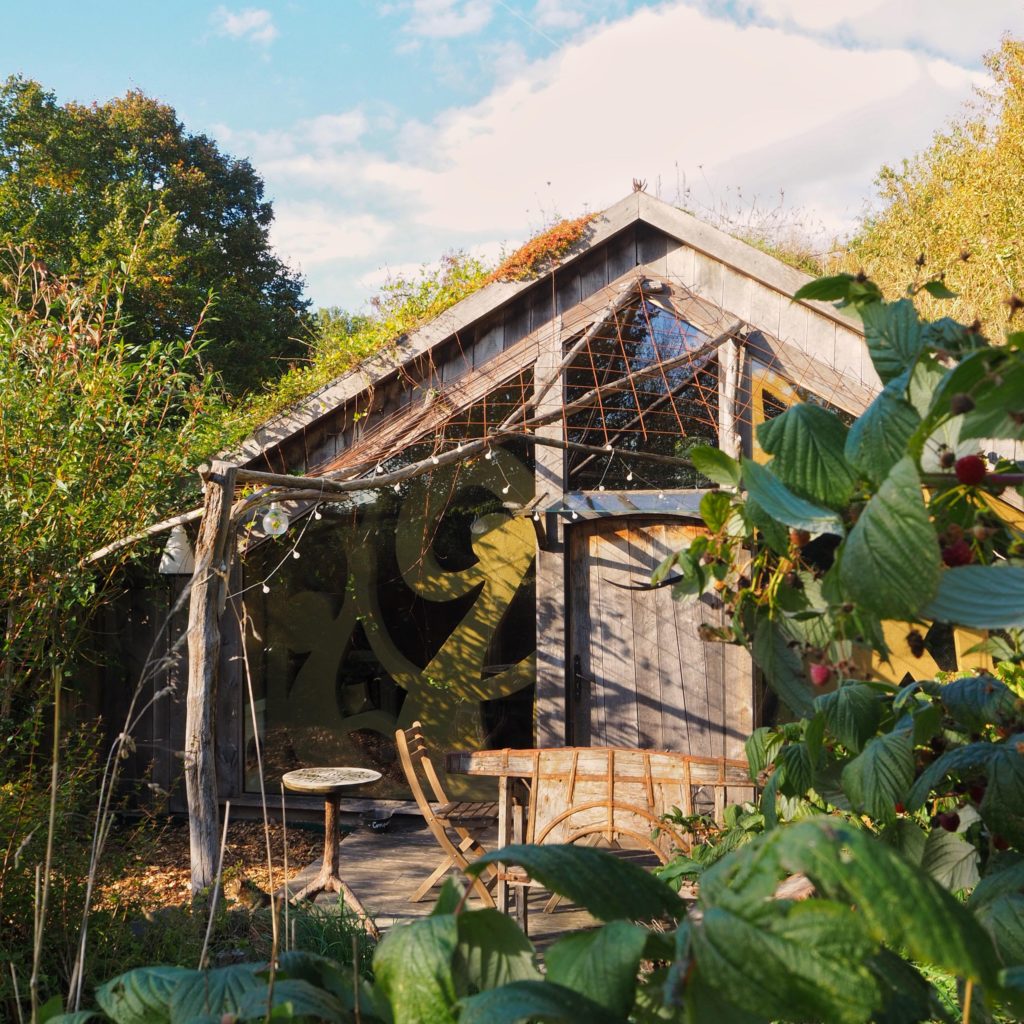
(329, 783)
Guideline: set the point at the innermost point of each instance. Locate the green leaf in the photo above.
(601, 965)
(715, 508)
(774, 534)
(1004, 921)
(611, 889)
(523, 1001)
(852, 712)
(449, 897)
(1002, 807)
(492, 951)
(904, 907)
(784, 506)
(794, 762)
(893, 333)
(879, 437)
(53, 1008)
(782, 667)
(907, 836)
(978, 701)
(907, 995)
(826, 289)
(979, 597)
(220, 990)
(323, 972)
(960, 761)
(715, 465)
(938, 290)
(142, 996)
(296, 998)
(413, 969)
(999, 407)
(880, 776)
(789, 960)
(760, 749)
(808, 444)
(951, 860)
(1004, 876)
(76, 1017)
(891, 561)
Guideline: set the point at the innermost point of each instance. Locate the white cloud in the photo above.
(448, 19)
(558, 14)
(310, 234)
(946, 28)
(670, 94)
(252, 24)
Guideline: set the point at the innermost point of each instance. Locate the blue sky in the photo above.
(389, 132)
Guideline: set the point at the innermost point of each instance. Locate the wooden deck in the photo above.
(384, 868)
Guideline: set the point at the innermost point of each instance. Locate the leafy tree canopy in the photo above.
(958, 206)
(85, 186)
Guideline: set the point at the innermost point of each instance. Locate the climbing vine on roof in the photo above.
(542, 251)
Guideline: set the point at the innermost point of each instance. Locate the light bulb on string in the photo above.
(600, 487)
(489, 455)
(607, 447)
(434, 459)
(275, 520)
(265, 588)
(629, 475)
(505, 489)
(536, 517)
(295, 553)
(318, 515)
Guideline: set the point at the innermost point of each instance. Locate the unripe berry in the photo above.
(799, 538)
(820, 674)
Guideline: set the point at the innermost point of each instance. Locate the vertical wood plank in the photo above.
(622, 253)
(693, 679)
(549, 473)
(600, 625)
(646, 653)
(622, 726)
(674, 727)
(581, 625)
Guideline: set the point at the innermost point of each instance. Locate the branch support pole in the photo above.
(209, 588)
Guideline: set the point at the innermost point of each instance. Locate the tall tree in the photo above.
(84, 186)
(958, 205)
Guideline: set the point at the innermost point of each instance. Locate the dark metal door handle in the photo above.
(577, 678)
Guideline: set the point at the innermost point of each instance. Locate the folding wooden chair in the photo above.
(461, 817)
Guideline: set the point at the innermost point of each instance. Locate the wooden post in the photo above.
(213, 555)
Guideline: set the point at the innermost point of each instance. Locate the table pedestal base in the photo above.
(328, 880)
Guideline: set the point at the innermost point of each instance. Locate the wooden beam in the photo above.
(213, 555)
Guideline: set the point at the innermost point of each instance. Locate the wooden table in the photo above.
(329, 783)
(570, 794)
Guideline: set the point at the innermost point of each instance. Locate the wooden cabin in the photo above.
(504, 600)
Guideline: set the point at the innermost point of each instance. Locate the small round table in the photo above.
(329, 782)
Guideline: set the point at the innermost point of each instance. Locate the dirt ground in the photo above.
(153, 860)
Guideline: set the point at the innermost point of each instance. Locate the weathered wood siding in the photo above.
(647, 680)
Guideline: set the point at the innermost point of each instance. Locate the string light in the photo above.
(629, 475)
(295, 553)
(489, 455)
(434, 459)
(275, 520)
(536, 517)
(265, 588)
(504, 489)
(317, 515)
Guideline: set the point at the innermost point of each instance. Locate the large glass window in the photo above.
(402, 606)
(670, 405)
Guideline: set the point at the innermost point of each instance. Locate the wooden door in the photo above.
(639, 674)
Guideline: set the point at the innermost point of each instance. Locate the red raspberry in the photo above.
(958, 553)
(821, 674)
(971, 469)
